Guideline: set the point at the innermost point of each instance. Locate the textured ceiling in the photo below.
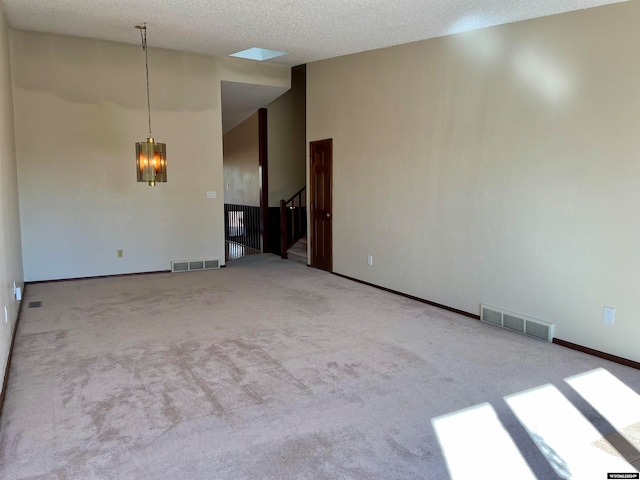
(308, 30)
(241, 100)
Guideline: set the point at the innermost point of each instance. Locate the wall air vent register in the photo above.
(194, 265)
(516, 322)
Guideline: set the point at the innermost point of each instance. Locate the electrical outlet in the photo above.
(609, 315)
(370, 260)
(120, 253)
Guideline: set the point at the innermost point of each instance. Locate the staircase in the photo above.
(298, 252)
(293, 226)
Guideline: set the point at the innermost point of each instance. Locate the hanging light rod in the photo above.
(151, 157)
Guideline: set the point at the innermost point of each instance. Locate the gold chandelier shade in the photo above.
(151, 161)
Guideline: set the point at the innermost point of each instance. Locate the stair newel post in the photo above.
(283, 229)
(299, 217)
(292, 219)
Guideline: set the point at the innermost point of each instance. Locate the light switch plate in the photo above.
(211, 195)
(608, 316)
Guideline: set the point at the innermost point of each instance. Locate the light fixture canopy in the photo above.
(151, 157)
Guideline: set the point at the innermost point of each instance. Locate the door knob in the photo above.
(328, 215)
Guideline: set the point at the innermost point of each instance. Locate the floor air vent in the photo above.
(194, 265)
(516, 322)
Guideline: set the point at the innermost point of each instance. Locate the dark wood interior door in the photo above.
(321, 221)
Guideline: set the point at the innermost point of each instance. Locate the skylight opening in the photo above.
(259, 54)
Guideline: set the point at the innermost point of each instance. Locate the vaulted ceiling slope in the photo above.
(308, 30)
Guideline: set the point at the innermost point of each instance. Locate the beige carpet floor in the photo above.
(266, 369)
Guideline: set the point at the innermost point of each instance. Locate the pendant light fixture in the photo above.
(151, 157)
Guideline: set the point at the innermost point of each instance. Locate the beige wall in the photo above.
(286, 140)
(242, 163)
(499, 166)
(80, 108)
(10, 249)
